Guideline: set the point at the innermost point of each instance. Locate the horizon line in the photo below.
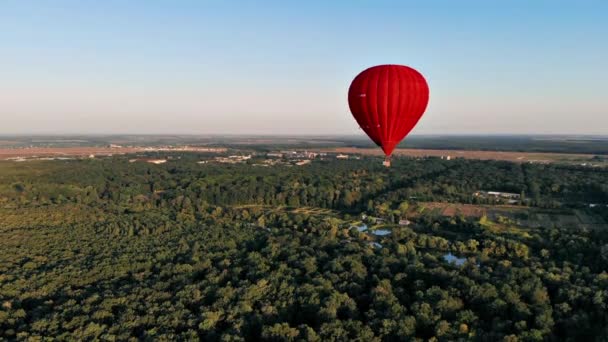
(287, 135)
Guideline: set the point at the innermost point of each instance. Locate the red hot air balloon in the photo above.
(387, 101)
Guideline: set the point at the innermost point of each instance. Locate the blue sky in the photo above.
(262, 67)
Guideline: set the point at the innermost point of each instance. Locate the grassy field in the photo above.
(518, 157)
(516, 215)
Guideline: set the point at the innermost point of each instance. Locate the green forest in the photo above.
(112, 250)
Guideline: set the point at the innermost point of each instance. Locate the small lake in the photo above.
(452, 259)
(363, 228)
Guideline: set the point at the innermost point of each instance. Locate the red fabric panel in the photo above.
(388, 101)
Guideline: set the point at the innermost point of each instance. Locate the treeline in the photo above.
(344, 185)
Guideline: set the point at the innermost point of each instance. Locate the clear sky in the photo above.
(284, 67)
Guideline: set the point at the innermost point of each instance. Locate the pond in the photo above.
(362, 227)
(381, 232)
(452, 259)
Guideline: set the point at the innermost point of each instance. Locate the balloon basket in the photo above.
(387, 162)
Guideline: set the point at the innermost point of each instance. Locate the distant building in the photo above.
(342, 156)
(511, 198)
(234, 159)
(240, 157)
(151, 161)
(185, 149)
(294, 154)
(405, 222)
(496, 194)
(303, 162)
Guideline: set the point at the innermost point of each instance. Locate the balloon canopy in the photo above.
(387, 101)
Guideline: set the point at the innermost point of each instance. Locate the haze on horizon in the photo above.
(188, 67)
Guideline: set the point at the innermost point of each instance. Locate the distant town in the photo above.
(301, 151)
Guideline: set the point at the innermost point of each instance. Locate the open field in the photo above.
(66, 152)
(521, 157)
(518, 215)
(522, 143)
(7, 153)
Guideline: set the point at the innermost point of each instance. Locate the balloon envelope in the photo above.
(387, 101)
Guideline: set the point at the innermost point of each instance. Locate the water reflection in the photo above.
(376, 244)
(452, 259)
(381, 232)
(362, 227)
